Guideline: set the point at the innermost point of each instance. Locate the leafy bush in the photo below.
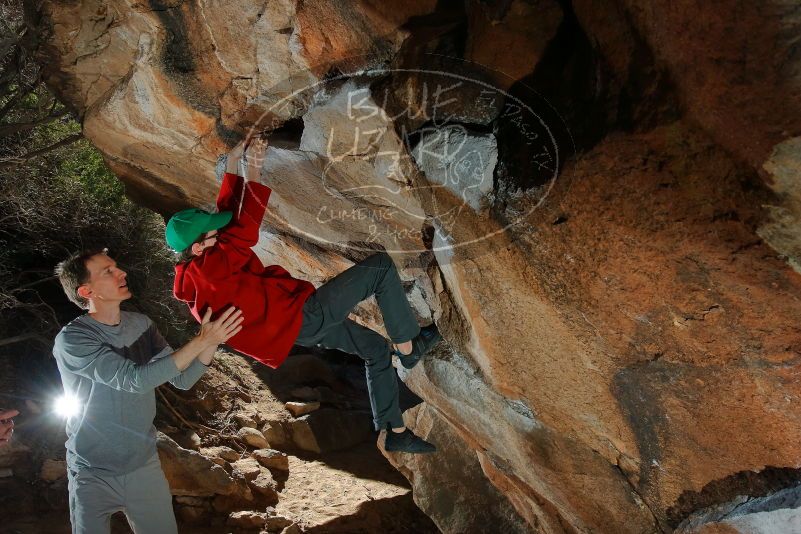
(58, 197)
(64, 202)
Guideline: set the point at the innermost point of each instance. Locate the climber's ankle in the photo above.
(404, 348)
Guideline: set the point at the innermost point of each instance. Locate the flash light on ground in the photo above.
(67, 405)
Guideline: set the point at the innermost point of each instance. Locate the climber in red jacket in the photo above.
(219, 270)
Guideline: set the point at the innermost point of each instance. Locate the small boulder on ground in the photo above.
(252, 437)
(247, 519)
(277, 523)
(301, 408)
(188, 440)
(245, 420)
(221, 452)
(264, 485)
(272, 459)
(275, 433)
(190, 473)
(247, 468)
(263, 482)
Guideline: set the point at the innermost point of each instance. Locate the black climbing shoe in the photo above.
(406, 441)
(428, 337)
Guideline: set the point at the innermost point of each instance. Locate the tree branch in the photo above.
(13, 70)
(35, 283)
(8, 129)
(23, 337)
(13, 162)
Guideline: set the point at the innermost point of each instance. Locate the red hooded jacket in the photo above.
(230, 274)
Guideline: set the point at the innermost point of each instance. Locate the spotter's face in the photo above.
(107, 282)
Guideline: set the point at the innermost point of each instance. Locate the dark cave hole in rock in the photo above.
(287, 136)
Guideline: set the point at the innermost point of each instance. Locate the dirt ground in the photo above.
(341, 492)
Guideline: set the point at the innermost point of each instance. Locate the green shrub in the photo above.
(65, 201)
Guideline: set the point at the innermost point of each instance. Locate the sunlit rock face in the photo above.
(602, 219)
(137, 70)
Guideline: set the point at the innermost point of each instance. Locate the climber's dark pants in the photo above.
(326, 323)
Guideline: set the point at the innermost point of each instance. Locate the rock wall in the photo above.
(602, 218)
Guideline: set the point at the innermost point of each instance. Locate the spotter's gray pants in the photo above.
(143, 495)
(326, 323)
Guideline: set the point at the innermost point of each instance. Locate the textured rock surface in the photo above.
(252, 437)
(247, 468)
(619, 355)
(435, 479)
(468, 166)
(247, 519)
(275, 434)
(773, 514)
(277, 523)
(135, 70)
(510, 37)
(192, 474)
(225, 453)
(737, 72)
(264, 485)
(301, 408)
(774, 522)
(783, 230)
(272, 459)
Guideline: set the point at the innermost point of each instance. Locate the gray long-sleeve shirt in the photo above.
(113, 371)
